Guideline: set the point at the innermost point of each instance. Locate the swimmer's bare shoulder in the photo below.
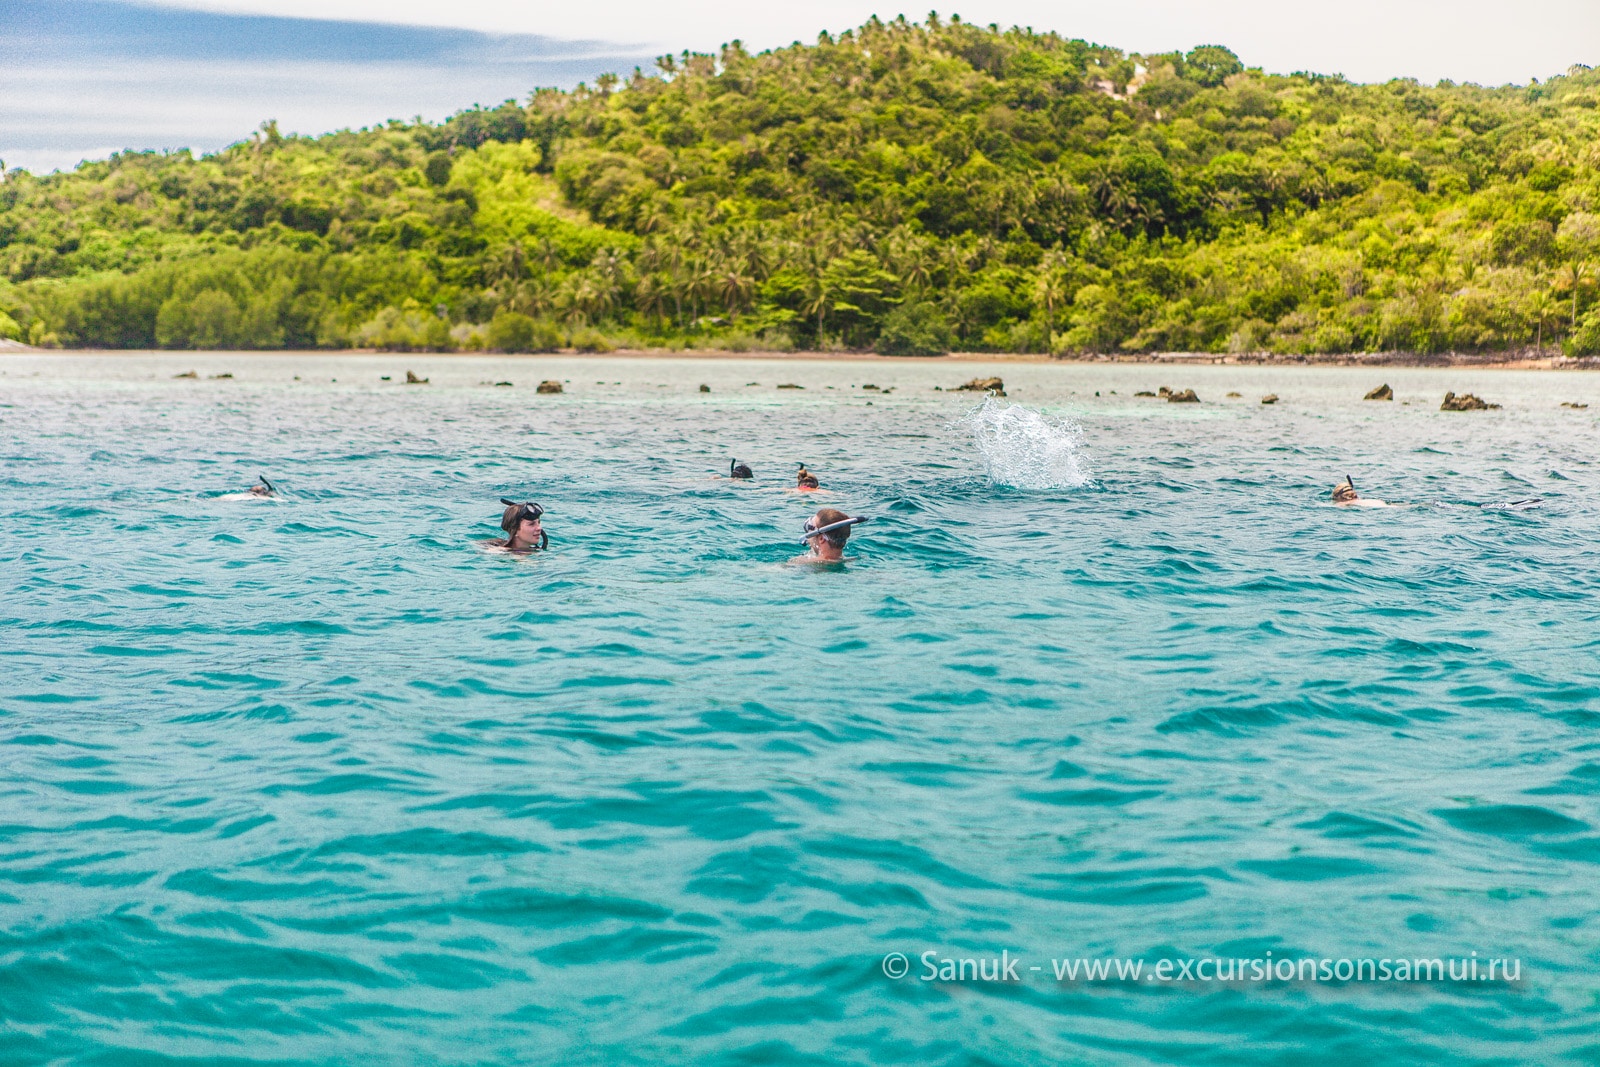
(501, 547)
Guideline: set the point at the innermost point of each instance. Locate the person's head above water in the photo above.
(827, 531)
(263, 487)
(804, 479)
(1345, 492)
(739, 470)
(524, 532)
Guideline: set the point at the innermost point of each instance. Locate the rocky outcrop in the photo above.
(992, 386)
(1144, 392)
(705, 388)
(1574, 406)
(1186, 396)
(1382, 392)
(790, 385)
(188, 374)
(1270, 398)
(549, 385)
(1465, 402)
(412, 379)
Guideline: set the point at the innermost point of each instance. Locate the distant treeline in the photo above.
(910, 187)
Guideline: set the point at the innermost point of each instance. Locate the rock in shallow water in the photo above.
(992, 386)
(1465, 402)
(1382, 392)
(1270, 398)
(1185, 396)
(549, 385)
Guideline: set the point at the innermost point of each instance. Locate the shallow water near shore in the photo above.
(316, 780)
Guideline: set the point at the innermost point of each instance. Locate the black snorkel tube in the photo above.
(529, 510)
(810, 533)
(270, 487)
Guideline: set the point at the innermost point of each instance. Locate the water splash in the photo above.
(1024, 448)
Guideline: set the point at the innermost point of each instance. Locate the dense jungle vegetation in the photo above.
(910, 187)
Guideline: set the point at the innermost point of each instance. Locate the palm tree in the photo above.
(1540, 305)
(651, 295)
(818, 293)
(1050, 288)
(1579, 237)
(736, 287)
(549, 257)
(507, 264)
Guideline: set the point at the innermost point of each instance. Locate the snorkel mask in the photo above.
(1347, 491)
(811, 531)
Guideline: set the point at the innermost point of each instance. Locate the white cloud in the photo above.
(1487, 41)
(56, 116)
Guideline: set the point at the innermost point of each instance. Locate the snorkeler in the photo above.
(524, 533)
(826, 533)
(804, 479)
(263, 488)
(1345, 495)
(740, 471)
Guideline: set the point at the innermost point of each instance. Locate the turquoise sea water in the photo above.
(318, 781)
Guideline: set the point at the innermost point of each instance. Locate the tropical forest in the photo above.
(907, 188)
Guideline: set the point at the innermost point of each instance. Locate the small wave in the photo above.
(1024, 448)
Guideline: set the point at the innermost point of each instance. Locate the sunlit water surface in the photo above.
(319, 781)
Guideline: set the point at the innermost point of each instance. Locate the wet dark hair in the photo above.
(828, 516)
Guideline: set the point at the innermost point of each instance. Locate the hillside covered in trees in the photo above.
(906, 187)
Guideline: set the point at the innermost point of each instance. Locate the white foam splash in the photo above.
(1024, 448)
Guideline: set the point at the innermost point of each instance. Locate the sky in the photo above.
(80, 79)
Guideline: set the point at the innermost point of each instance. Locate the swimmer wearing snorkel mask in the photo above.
(1345, 495)
(263, 487)
(825, 534)
(804, 479)
(524, 532)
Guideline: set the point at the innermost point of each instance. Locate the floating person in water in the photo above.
(524, 532)
(1345, 495)
(825, 534)
(804, 479)
(263, 488)
(740, 471)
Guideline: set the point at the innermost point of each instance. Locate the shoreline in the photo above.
(1523, 360)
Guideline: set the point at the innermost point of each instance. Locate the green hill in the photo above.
(914, 187)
